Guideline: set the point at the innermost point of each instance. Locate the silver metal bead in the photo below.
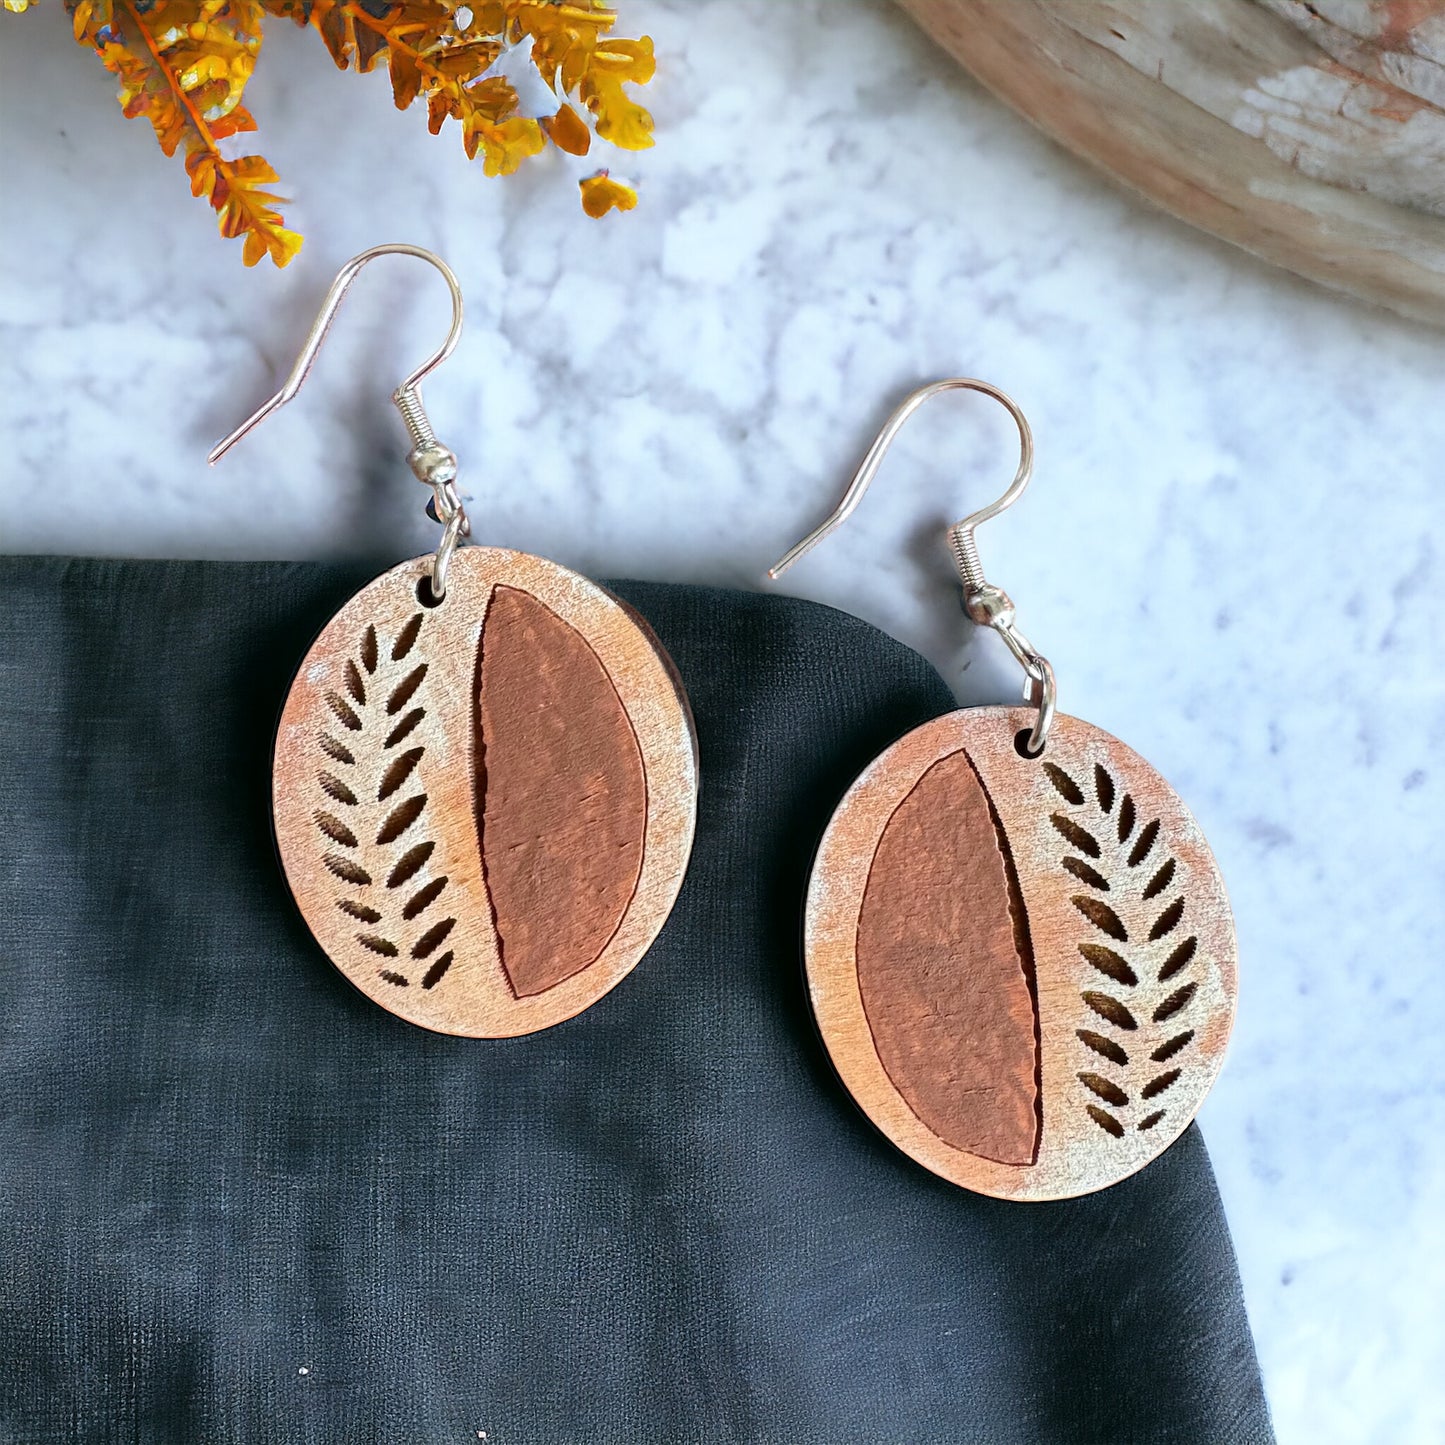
(433, 464)
(989, 606)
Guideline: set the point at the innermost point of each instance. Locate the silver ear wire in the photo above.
(986, 605)
(430, 461)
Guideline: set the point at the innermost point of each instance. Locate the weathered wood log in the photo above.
(1312, 134)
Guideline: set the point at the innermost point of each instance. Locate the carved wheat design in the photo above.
(370, 817)
(1131, 899)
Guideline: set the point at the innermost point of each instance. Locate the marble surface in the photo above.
(1231, 551)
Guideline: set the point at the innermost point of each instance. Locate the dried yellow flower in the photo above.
(568, 132)
(600, 194)
(619, 119)
(431, 52)
(184, 66)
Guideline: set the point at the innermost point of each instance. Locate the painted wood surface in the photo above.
(485, 807)
(1023, 968)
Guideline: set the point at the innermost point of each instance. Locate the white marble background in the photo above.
(1231, 551)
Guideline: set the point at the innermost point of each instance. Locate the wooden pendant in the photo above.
(485, 806)
(1023, 968)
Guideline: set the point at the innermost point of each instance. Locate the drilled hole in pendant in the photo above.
(426, 594)
(1021, 744)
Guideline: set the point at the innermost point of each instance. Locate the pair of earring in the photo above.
(1018, 947)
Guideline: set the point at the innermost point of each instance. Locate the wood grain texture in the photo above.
(944, 976)
(1125, 924)
(562, 799)
(426, 790)
(1312, 134)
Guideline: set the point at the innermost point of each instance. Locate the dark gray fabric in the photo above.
(238, 1202)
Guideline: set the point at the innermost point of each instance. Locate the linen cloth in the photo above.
(241, 1203)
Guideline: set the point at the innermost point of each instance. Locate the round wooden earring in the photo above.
(485, 777)
(485, 806)
(1018, 947)
(1023, 967)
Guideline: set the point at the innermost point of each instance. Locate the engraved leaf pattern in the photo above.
(371, 810)
(1135, 1025)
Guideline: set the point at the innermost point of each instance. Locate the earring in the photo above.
(1019, 949)
(485, 776)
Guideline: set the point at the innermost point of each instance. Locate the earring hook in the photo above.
(985, 604)
(430, 461)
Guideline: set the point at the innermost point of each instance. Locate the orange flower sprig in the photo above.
(184, 65)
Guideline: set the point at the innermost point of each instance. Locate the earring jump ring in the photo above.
(432, 463)
(986, 605)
